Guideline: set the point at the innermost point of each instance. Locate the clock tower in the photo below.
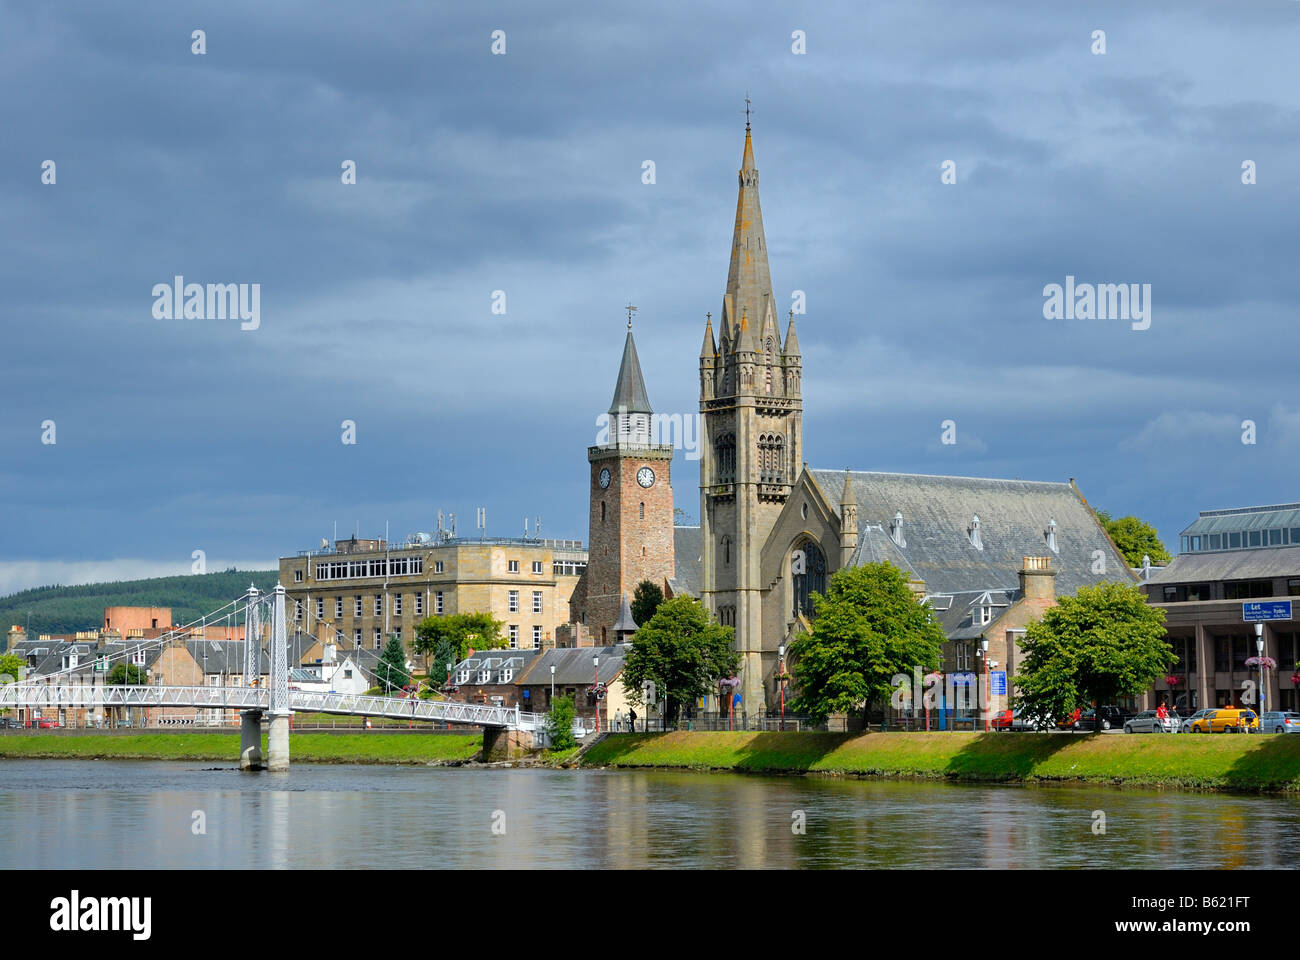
(631, 495)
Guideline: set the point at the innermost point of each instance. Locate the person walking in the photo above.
(631, 719)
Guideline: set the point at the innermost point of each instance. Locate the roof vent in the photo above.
(1051, 536)
(896, 530)
(974, 533)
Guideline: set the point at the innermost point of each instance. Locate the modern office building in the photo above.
(1237, 567)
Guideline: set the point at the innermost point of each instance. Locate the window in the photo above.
(1254, 538)
(137, 656)
(1295, 534)
(1222, 654)
(771, 458)
(1171, 594)
(419, 604)
(297, 576)
(485, 675)
(642, 511)
(379, 639)
(1216, 541)
(808, 572)
(1293, 588)
(462, 676)
(397, 605)
(1247, 589)
(356, 636)
(537, 601)
(297, 609)
(320, 608)
(356, 606)
(514, 601)
(437, 602)
(514, 566)
(1234, 541)
(724, 452)
(338, 607)
(1275, 538)
(1198, 591)
(537, 636)
(437, 566)
(506, 676)
(602, 511)
(514, 634)
(537, 566)
(379, 604)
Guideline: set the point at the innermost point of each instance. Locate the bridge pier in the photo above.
(503, 743)
(278, 743)
(250, 740)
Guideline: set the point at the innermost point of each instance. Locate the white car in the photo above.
(1149, 722)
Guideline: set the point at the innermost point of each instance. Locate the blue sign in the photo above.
(736, 700)
(1260, 610)
(999, 681)
(526, 694)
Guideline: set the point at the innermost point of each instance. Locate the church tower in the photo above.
(752, 444)
(631, 496)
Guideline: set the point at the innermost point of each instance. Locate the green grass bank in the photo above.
(369, 747)
(1236, 762)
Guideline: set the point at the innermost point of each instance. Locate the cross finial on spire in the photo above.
(630, 310)
(747, 103)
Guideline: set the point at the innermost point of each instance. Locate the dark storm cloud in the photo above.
(522, 173)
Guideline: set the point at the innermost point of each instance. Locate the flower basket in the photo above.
(1268, 663)
(1295, 678)
(1172, 680)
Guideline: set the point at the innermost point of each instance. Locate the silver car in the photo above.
(1279, 721)
(1185, 725)
(1149, 722)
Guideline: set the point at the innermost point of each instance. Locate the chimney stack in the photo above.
(1038, 579)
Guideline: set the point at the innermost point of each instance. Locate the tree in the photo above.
(559, 723)
(1103, 643)
(448, 639)
(682, 652)
(11, 666)
(868, 627)
(391, 670)
(1135, 538)
(127, 673)
(646, 601)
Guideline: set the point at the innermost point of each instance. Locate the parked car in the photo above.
(1279, 721)
(1224, 720)
(1003, 719)
(1112, 717)
(1148, 721)
(1068, 722)
(49, 724)
(9, 723)
(1185, 724)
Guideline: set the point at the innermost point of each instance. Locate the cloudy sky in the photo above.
(522, 172)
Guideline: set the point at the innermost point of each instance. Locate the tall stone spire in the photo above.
(749, 283)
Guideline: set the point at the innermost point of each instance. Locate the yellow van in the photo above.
(1226, 720)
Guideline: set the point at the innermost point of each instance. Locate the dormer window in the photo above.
(1051, 536)
(896, 530)
(974, 533)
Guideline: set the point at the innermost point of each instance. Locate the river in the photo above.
(107, 814)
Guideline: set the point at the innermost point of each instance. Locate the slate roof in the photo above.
(496, 662)
(937, 515)
(629, 392)
(573, 665)
(687, 551)
(1257, 563)
(955, 612)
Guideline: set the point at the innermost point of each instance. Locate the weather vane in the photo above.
(630, 310)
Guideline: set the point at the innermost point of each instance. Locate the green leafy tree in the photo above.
(682, 652)
(391, 670)
(127, 673)
(646, 601)
(11, 666)
(1135, 538)
(447, 640)
(867, 627)
(559, 723)
(1103, 643)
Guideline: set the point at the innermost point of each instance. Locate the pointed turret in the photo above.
(791, 340)
(629, 391)
(848, 521)
(709, 349)
(749, 283)
(625, 626)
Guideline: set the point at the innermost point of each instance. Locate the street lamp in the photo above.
(595, 666)
(1259, 648)
(984, 649)
(780, 655)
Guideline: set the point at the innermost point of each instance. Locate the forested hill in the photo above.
(68, 609)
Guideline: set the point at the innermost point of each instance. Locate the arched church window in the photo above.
(643, 511)
(602, 511)
(726, 458)
(808, 574)
(726, 550)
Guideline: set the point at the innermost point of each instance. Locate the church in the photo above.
(988, 555)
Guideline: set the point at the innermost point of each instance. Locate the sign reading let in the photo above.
(1260, 610)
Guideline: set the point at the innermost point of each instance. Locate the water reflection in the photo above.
(113, 814)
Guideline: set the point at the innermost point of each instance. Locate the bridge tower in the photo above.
(250, 721)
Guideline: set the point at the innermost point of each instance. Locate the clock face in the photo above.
(604, 478)
(645, 476)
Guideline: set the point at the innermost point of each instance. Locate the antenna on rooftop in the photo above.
(482, 522)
